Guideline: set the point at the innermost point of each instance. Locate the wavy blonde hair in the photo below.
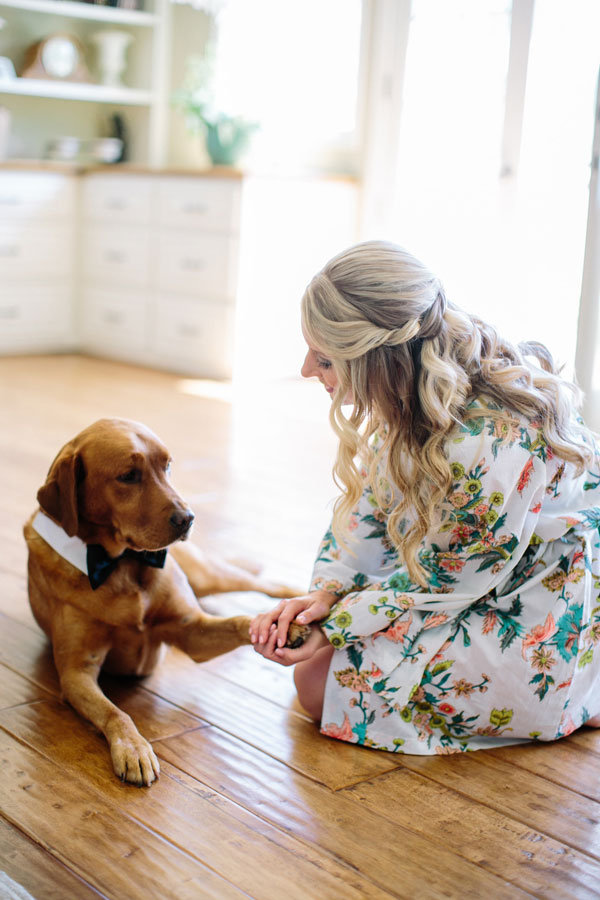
(412, 361)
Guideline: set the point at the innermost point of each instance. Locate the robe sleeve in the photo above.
(486, 526)
(342, 570)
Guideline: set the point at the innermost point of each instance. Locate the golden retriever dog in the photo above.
(103, 586)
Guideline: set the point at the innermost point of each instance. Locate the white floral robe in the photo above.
(503, 646)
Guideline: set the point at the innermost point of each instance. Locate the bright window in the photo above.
(294, 68)
(508, 249)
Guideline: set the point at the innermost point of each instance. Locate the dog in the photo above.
(106, 591)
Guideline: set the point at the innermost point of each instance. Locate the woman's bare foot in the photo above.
(594, 722)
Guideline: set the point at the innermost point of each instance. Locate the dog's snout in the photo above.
(182, 520)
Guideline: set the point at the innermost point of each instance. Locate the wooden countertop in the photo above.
(75, 168)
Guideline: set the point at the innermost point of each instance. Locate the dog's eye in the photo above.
(168, 468)
(134, 476)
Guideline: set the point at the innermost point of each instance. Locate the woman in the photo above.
(457, 588)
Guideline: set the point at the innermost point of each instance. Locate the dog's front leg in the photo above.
(203, 636)
(132, 755)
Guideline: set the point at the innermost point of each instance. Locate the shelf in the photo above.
(74, 90)
(74, 10)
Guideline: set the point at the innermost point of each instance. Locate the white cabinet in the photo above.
(37, 253)
(159, 270)
(138, 267)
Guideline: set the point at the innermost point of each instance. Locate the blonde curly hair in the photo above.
(412, 362)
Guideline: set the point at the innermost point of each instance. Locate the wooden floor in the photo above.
(252, 801)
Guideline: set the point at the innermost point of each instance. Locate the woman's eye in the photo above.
(168, 468)
(134, 476)
(324, 363)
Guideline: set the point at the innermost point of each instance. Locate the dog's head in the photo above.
(111, 483)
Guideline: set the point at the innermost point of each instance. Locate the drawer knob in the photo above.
(188, 331)
(112, 318)
(9, 251)
(9, 312)
(195, 208)
(192, 264)
(116, 203)
(114, 256)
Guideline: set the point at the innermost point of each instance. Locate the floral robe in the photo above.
(502, 648)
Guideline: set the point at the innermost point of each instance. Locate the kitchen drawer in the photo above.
(210, 204)
(37, 316)
(195, 337)
(200, 263)
(118, 198)
(35, 251)
(115, 320)
(117, 255)
(36, 195)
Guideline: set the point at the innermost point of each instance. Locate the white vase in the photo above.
(112, 60)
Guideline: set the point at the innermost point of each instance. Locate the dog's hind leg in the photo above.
(208, 574)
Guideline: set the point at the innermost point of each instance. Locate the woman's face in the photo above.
(317, 365)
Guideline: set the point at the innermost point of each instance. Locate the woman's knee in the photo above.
(309, 678)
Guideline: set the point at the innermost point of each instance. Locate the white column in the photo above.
(587, 354)
(521, 25)
(388, 24)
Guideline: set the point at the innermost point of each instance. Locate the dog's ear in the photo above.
(58, 496)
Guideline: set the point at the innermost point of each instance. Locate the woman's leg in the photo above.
(310, 677)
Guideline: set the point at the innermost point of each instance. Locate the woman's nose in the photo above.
(308, 367)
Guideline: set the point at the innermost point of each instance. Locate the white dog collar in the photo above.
(72, 549)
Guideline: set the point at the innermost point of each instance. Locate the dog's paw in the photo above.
(297, 634)
(134, 760)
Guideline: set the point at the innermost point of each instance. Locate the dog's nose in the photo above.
(182, 520)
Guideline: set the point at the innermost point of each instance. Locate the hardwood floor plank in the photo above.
(561, 814)
(13, 598)
(563, 762)
(587, 739)
(334, 820)
(26, 650)
(284, 734)
(14, 689)
(85, 831)
(216, 831)
(37, 871)
(252, 671)
(490, 837)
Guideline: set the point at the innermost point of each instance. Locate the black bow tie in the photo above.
(100, 564)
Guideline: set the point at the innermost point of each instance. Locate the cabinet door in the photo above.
(194, 336)
(115, 321)
(118, 199)
(36, 317)
(35, 251)
(36, 195)
(117, 256)
(208, 204)
(197, 263)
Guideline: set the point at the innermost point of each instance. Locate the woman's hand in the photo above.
(268, 631)
(284, 655)
(309, 608)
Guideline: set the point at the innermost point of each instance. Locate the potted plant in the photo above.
(227, 136)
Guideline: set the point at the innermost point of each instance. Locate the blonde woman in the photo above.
(457, 590)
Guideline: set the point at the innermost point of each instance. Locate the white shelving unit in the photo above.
(75, 10)
(44, 109)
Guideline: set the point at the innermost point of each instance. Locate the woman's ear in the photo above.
(58, 496)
